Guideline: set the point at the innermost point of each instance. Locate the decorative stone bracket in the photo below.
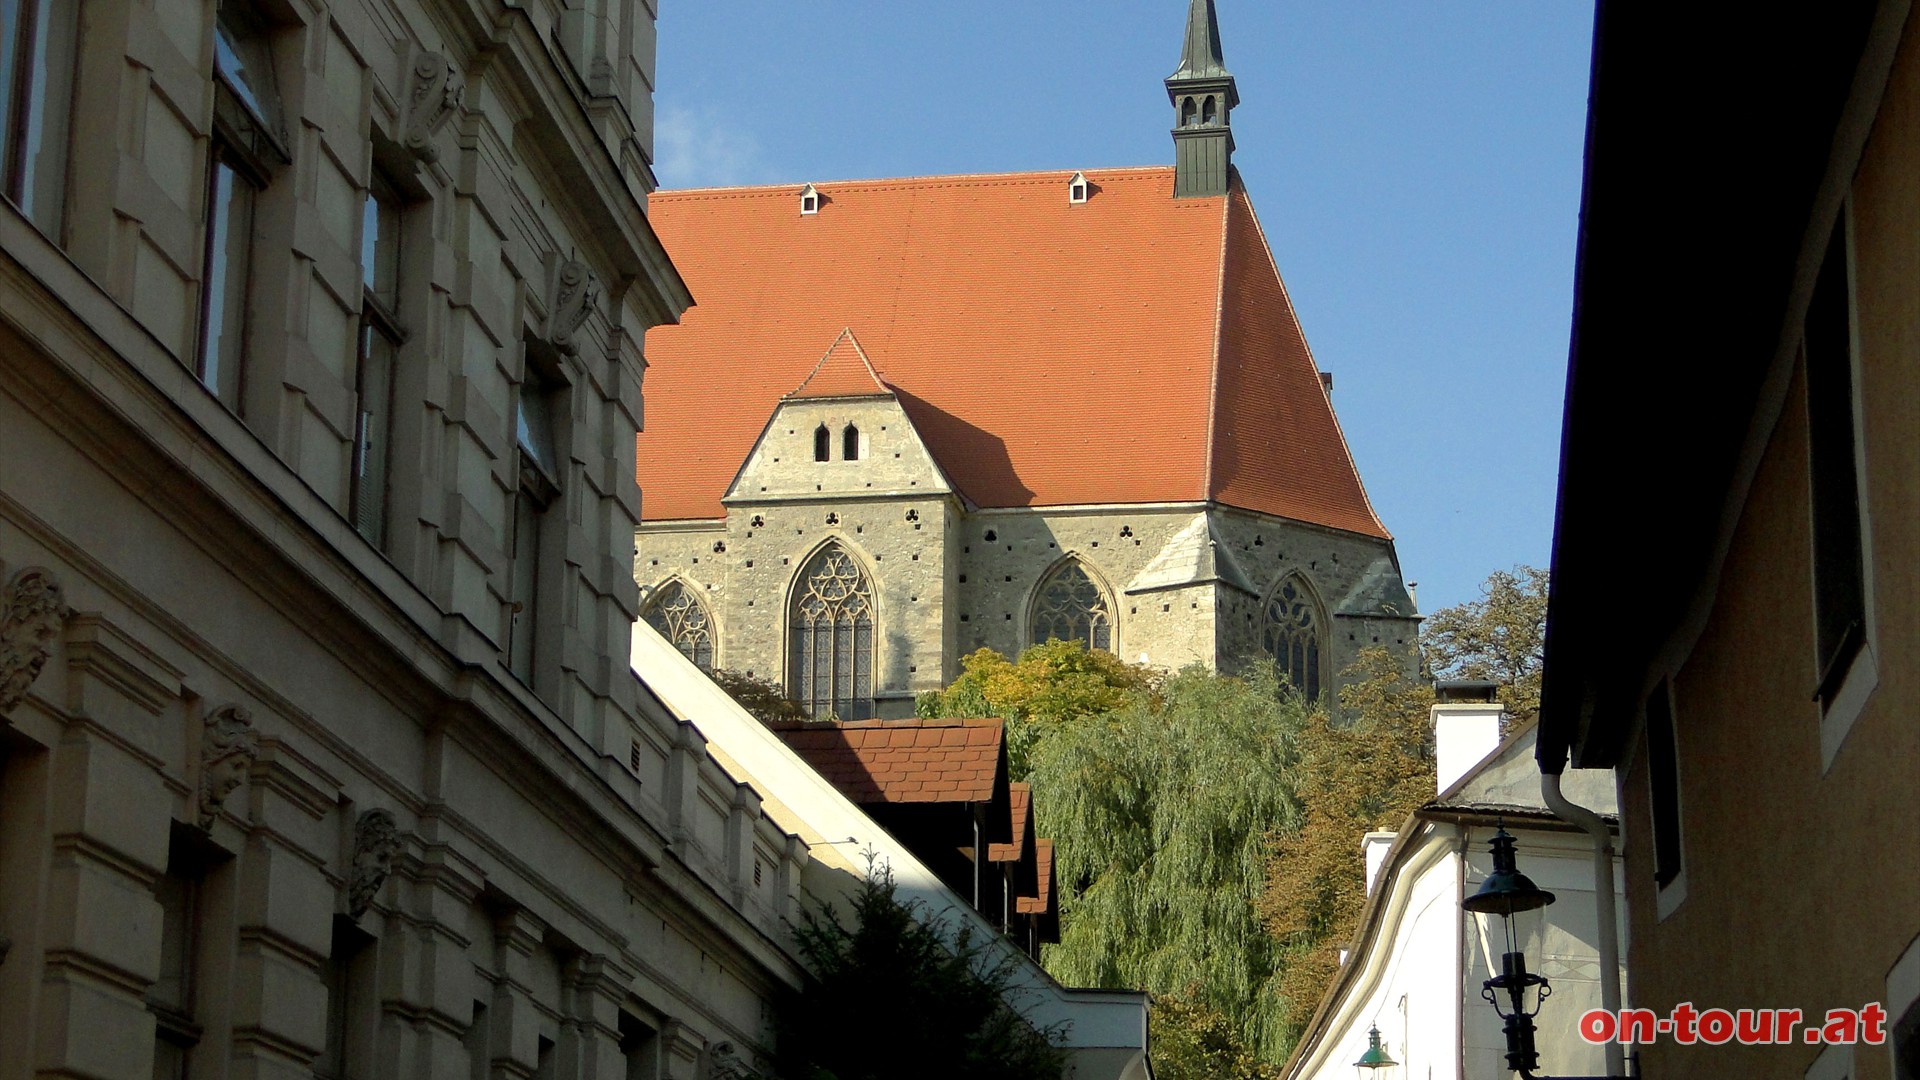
(575, 291)
(435, 92)
(376, 843)
(32, 610)
(228, 748)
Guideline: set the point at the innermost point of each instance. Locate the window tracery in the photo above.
(1070, 606)
(830, 626)
(681, 618)
(1290, 630)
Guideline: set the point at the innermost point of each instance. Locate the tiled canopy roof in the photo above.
(902, 761)
(1020, 799)
(1134, 348)
(1040, 904)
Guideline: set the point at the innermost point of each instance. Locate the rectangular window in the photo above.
(1663, 777)
(1906, 1045)
(479, 1042)
(1839, 577)
(640, 1045)
(170, 999)
(223, 296)
(539, 487)
(379, 342)
(350, 991)
(37, 40)
(244, 149)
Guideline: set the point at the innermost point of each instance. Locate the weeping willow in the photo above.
(1162, 814)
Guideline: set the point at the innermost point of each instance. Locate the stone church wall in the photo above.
(943, 585)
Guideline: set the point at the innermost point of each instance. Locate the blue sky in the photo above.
(1416, 167)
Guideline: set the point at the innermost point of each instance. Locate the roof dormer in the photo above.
(809, 200)
(1078, 188)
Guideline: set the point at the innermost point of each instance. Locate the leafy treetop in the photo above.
(1500, 637)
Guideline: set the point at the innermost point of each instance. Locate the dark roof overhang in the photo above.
(1708, 134)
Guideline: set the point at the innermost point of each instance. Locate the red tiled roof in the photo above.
(844, 371)
(902, 761)
(1020, 798)
(1134, 348)
(1038, 905)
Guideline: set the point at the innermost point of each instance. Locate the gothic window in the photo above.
(1187, 113)
(1069, 606)
(830, 626)
(1209, 113)
(1291, 633)
(680, 617)
(850, 444)
(822, 442)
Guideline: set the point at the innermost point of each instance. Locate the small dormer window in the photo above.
(850, 444)
(809, 200)
(1077, 188)
(822, 443)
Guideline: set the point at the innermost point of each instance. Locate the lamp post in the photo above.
(1375, 1059)
(1516, 993)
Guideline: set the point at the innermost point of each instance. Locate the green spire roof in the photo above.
(1202, 59)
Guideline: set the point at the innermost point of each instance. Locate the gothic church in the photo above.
(990, 410)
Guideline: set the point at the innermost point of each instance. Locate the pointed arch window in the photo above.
(1071, 606)
(1291, 631)
(681, 618)
(1188, 110)
(822, 443)
(1210, 112)
(830, 637)
(850, 444)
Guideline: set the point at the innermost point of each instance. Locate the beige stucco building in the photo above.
(320, 751)
(1756, 700)
(985, 411)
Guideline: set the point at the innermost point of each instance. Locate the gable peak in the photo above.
(844, 371)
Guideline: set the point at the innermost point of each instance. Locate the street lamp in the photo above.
(1374, 1059)
(1512, 895)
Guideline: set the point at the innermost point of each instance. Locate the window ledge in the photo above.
(1668, 898)
(1856, 689)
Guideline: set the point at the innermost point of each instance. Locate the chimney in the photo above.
(1466, 727)
(1375, 846)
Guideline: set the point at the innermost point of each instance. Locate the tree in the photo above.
(890, 997)
(765, 699)
(1194, 1042)
(1355, 777)
(1049, 685)
(1160, 813)
(1500, 637)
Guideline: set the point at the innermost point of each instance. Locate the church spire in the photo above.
(1203, 95)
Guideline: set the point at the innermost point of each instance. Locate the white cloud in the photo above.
(696, 148)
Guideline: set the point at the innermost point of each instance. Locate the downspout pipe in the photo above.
(1603, 900)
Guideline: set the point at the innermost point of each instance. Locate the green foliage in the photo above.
(1159, 812)
(1356, 777)
(765, 699)
(890, 992)
(1501, 636)
(1050, 684)
(1194, 1042)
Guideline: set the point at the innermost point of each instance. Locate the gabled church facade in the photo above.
(990, 410)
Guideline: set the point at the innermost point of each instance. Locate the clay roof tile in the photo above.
(964, 285)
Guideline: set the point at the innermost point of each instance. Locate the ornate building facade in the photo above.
(987, 411)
